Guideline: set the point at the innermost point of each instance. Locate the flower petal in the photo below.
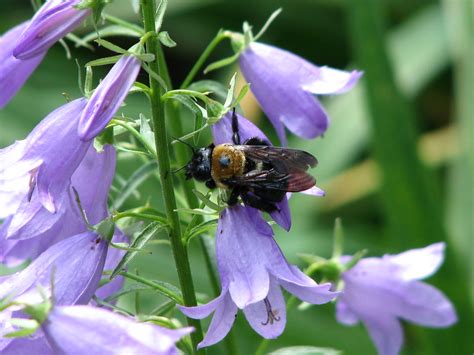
(268, 317)
(314, 191)
(114, 255)
(14, 72)
(386, 333)
(55, 142)
(276, 77)
(203, 311)
(418, 263)
(28, 345)
(76, 263)
(54, 20)
(221, 323)
(95, 326)
(344, 314)
(315, 294)
(332, 81)
(244, 246)
(425, 305)
(108, 97)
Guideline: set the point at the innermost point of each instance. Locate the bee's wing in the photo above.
(287, 172)
(282, 159)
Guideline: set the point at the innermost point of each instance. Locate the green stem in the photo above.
(221, 35)
(161, 141)
(182, 157)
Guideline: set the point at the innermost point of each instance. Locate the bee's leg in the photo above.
(259, 203)
(210, 184)
(234, 196)
(256, 141)
(235, 128)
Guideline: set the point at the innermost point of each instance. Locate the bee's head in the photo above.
(199, 167)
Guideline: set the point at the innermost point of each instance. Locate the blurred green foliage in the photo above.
(422, 78)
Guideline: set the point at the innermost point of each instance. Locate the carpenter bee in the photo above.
(257, 172)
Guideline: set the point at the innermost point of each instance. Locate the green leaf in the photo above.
(146, 132)
(230, 92)
(104, 61)
(196, 211)
(211, 86)
(245, 89)
(148, 233)
(305, 350)
(160, 13)
(201, 228)
(164, 288)
(127, 289)
(135, 180)
(206, 201)
(166, 40)
(109, 31)
(110, 46)
(267, 24)
(221, 63)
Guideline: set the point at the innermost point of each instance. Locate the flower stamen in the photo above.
(272, 315)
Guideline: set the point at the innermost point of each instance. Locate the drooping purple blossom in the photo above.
(108, 97)
(32, 228)
(45, 161)
(14, 72)
(380, 291)
(222, 133)
(104, 332)
(252, 270)
(285, 84)
(75, 267)
(54, 20)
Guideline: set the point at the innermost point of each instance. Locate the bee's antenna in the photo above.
(178, 170)
(186, 144)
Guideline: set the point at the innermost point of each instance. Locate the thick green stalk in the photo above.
(161, 140)
(182, 157)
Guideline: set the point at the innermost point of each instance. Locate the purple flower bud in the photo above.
(284, 85)
(252, 269)
(44, 162)
(32, 228)
(14, 72)
(54, 20)
(379, 291)
(104, 332)
(108, 97)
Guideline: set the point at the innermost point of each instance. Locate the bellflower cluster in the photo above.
(23, 47)
(380, 291)
(285, 84)
(42, 219)
(253, 269)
